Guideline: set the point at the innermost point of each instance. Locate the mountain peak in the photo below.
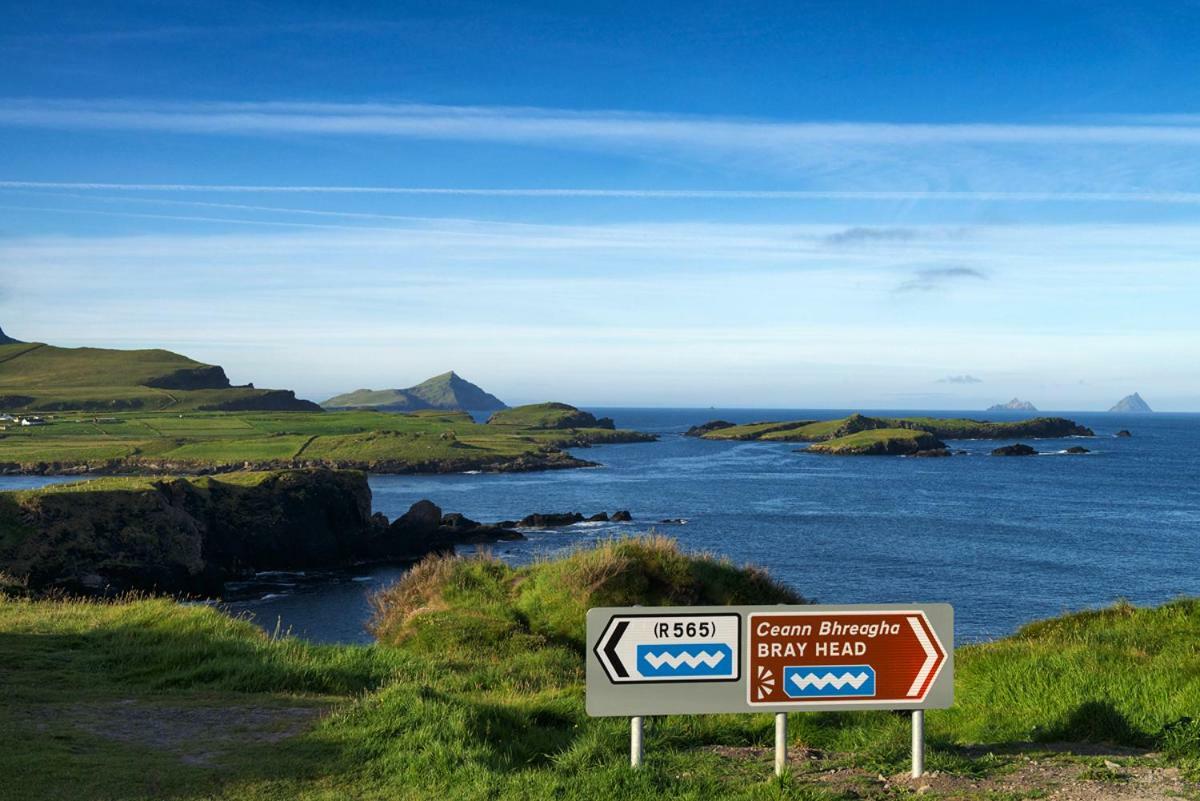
(1131, 403)
(447, 391)
(452, 391)
(7, 340)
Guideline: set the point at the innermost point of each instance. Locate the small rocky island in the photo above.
(1133, 404)
(1014, 405)
(1019, 449)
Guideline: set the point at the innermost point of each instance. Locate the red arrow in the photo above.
(900, 647)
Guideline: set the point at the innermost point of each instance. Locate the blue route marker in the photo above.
(829, 681)
(707, 659)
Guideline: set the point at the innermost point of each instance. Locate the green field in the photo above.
(475, 692)
(377, 441)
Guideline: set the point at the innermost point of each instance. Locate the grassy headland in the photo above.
(161, 442)
(476, 691)
(35, 377)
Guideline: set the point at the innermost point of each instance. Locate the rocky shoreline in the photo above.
(550, 460)
(189, 536)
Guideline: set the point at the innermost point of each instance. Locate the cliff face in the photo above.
(263, 400)
(183, 535)
(204, 377)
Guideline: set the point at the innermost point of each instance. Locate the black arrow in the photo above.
(610, 650)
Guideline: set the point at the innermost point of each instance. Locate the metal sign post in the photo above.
(705, 660)
(780, 742)
(636, 748)
(918, 743)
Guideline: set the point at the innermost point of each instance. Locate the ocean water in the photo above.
(1005, 540)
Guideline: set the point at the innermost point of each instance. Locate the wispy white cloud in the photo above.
(928, 279)
(542, 124)
(960, 379)
(1033, 158)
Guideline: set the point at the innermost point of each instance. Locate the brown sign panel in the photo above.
(869, 657)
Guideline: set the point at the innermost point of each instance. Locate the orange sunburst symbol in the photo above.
(765, 682)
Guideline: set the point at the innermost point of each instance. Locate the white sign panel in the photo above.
(640, 648)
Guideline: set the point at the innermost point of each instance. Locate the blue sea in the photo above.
(1005, 540)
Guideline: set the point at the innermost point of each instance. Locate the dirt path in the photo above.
(1056, 772)
(197, 733)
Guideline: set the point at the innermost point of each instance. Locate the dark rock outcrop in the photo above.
(550, 520)
(423, 530)
(1019, 449)
(932, 453)
(203, 377)
(622, 516)
(704, 428)
(1077, 449)
(1124, 432)
(265, 400)
(191, 535)
(185, 535)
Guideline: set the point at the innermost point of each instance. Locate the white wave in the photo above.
(830, 680)
(703, 658)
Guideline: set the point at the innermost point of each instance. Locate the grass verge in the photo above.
(475, 691)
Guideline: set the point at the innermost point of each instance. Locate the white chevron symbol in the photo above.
(703, 658)
(829, 680)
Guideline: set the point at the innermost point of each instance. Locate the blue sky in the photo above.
(921, 205)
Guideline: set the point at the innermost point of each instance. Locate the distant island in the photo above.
(446, 392)
(36, 377)
(1132, 403)
(859, 435)
(1014, 405)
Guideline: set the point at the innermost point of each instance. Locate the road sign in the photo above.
(636, 648)
(864, 656)
(699, 660)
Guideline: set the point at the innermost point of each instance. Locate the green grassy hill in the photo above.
(448, 391)
(879, 442)
(476, 692)
(36, 377)
(548, 416)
